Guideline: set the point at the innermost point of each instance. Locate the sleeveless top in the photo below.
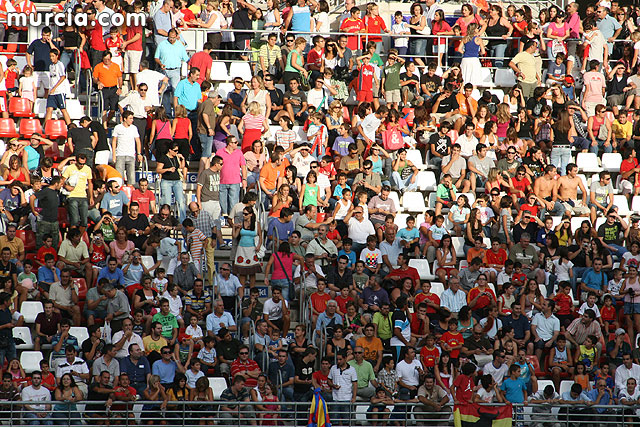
(413, 30)
(596, 126)
(496, 30)
(260, 98)
(163, 130)
(258, 394)
(310, 196)
(560, 138)
(342, 210)
(301, 20)
(560, 356)
(377, 165)
(247, 238)
(288, 67)
(276, 214)
(270, 18)
(471, 49)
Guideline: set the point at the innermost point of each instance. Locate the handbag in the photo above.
(106, 333)
(603, 132)
(392, 139)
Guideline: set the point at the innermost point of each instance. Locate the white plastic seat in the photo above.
(463, 264)
(401, 220)
(458, 245)
(30, 310)
(431, 203)
(240, 69)
(24, 333)
(471, 197)
(611, 162)
(218, 385)
(565, 385)
(622, 204)
(486, 79)
(413, 201)
(437, 288)
(576, 222)
(505, 78)
(219, 71)
(75, 109)
(80, 332)
(224, 89)
(426, 181)
(588, 162)
(475, 94)
(40, 108)
(585, 182)
(635, 204)
(415, 156)
(30, 361)
(393, 195)
(423, 267)
(499, 93)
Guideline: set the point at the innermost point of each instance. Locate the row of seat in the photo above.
(53, 129)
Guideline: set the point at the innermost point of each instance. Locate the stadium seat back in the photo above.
(24, 333)
(30, 361)
(30, 126)
(30, 310)
(20, 107)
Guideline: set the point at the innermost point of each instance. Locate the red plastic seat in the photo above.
(53, 152)
(8, 128)
(82, 287)
(85, 238)
(536, 365)
(30, 126)
(55, 129)
(410, 114)
(128, 190)
(345, 114)
(28, 237)
(63, 218)
(20, 107)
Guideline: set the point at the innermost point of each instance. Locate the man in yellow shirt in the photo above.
(15, 244)
(622, 129)
(79, 181)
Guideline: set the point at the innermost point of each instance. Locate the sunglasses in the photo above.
(166, 352)
(224, 269)
(142, 90)
(244, 353)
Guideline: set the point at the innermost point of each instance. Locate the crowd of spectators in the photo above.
(518, 292)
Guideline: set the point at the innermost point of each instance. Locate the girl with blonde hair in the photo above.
(473, 47)
(252, 126)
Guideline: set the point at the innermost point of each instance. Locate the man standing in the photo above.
(108, 77)
(155, 81)
(188, 94)
(204, 222)
(169, 57)
(206, 125)
(608, 26)
(208, 199)
(601, 196)
(48, 201)
(8, 350)
(227, 287)
(140, 103)
(126, 147)
(38, 58)
(524, 66)
(79, 182)
(163, 22)
(343, 380)
(233, 175)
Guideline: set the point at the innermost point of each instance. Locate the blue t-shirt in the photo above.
(115, 203)
(351, 255)
(341, 145)
(337, 192)
(514, 389)
(46, 275)
(10, 201)
(166, 371)
(116, 278)
(594, 280)
(408, 235)
(284, 229)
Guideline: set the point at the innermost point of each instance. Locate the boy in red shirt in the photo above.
(430, 354)
(11, 77)
(564, 304)
(353, 25)
(124, 393)
(531, 205)
(328, 168)
(432, 301)
(419, 323)
(520, 186)
(47, 248)
(342, 301)
(608, 314)
(518, 278)
(452, 341)
(494, 260)
(319, 300)
(366, 79)
(463, 386)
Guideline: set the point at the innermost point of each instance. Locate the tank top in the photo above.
(260, 98)
(182, 128)
(301, 20)
(415, 22)
(513, 108)
(471, 49)
(287, 262)
(276, 213)
(636, 296)
(343, 210)
(247, 238)
(163, 130)
(501, 129)
(596, 126)
(377, 165)
(560, 356)
(496, 30)
(288, 67)
(310, 196)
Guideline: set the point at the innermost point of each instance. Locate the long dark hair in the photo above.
(284, 248)
(176, 385)
(252, 221)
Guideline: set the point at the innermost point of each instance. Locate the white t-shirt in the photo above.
(486, 396)
(175, 304)
(274, 310)
(371, 258)
(359, 231)
(345, 380)
(32, 395)
(124, 351)
(56, 72)
(408, 372)
(585, 307)
(302, 164)
(498, 373)
(562, 270)
(126, 144)
(152, 79)
(370, 124)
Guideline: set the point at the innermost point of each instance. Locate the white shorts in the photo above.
(212, 207)
(393, 96)
(42, 79)
(102, 157)
(132, 61)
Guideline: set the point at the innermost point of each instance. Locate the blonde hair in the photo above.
(181, 111)
(299, 41)
(493, 174)
(503, 114)
(254, 108)
(214, 4)
(471, 32)
(635, 36)
(259, 80)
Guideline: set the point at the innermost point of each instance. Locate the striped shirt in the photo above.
(195, 240)
(284, 138)
(253, 122)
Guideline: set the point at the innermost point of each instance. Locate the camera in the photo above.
(631, 292)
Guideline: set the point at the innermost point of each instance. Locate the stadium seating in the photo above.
(218, 385)
(30, 126)
(80, 332)
(28, 237)
(30, 361)
(24, 333)
(20, 107)
(611, 162)
(436, 288)
(240, 69)
(55, 129)
(588, 163)
(8, 128)
(565, 386)
(30, 310)
(413, 202)
(424, 270)
(219, 72)
(426, 181)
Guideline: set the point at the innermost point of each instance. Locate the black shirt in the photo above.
(81, 138)
(413, 87)
(447, 104)
(581, 259)
(616, 86)
(168, 162)
(40, 52)
(48, 201)
(304, 371)
(431, 83)
(518, 230)
(228, 349)
(440, 143)
(610, 233)
(276, 96)
(5, 318)
(535, 106)
(340, 281)
(8, 270)
(98, 397)
(140, 223)
(241, 21)
(103, 143)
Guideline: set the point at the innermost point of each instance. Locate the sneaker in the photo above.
(226, 246)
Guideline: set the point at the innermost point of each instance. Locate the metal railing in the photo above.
(240, 414)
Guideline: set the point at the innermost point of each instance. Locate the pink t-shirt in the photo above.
(594, 82)
(557, 30)
(231, 172)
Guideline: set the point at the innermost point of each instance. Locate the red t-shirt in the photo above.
(520, 277)
(114, 45)
(464, 388)
(351, 25)
(429, 357)
(333, 235)
(564, 303)
(329, 170)
(202, 61)
(453, 339)
(342, 302)
(608, 314)
(121, 395)
(432, 298)
(43, 251)
(143, 200)
(627, 165)
(417, 325)
(315, 58)
(499, 258)
(365, 78)
(319, 301)
(96, 41)
(410, 272)
(11, 77)
(48, 381)
(131, 32)
(375, 25)
(484, 300)
(520, 185)
(237, 367)
(321, 379)
(531, 209)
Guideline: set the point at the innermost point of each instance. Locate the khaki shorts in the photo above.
(392, 96)
(578, 208)
(440, 117)
(132, 61)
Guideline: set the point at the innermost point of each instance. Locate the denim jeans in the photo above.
(417, 47)
(283, 285)
(577, 272)
(32, 419)
(127, 164)
(229, 196)
(167, 98)
(206, 142)
(595, 148)
(65, 418)
(558, 210)
(403, 184)
(561, 157)
(497, 52)
(619, 250)
(78, 211)
(168, 187)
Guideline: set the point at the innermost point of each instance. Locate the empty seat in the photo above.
(8, 128)
(20, 107)
(585, 182)
(74, 109)
(622, 203)
(30, 126)
(505, 78)
(437, 288)
(80, 332)
(401, 220)
(413, 201)
(219, 71)
(611, 162)
(30, 361)
(426, 181)
(30, 310)
(423, 267)
(240, 69)
(588, 162)
(635, 204)
(393, 195)
(458, 245)
(218, 385)
(55, 129)
(224, 89)
(28, 237)
(486, 79)
(147, 261)
(415, 156)
(565, 386)
(24, 333)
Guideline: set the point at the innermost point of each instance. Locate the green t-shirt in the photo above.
(384, 325)
(375, 59)
(392, 77)
(31, 276)
(365, 372)
(108, 232)
(443, 192)
(168, 322)
(361, 280)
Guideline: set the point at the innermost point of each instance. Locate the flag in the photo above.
(318, 414)
(468, 414)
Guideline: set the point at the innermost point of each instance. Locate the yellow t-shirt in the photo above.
(16, 245)
(622, 131)
(151, 345)
(78, 178)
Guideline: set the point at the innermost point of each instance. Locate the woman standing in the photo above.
(215, 21)
(282, 263)
(173, 170)
(160, 132)
(258, 94)
(558, 31)
(441, 27)
(417, 23)
(473, 48)
(246, 261)
(498, 26)
(628, 27)
(631, 291)
(468, 18)
(252, 126)
(294, 67)
(272, 19)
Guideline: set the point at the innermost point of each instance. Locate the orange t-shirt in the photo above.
(108, 76)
